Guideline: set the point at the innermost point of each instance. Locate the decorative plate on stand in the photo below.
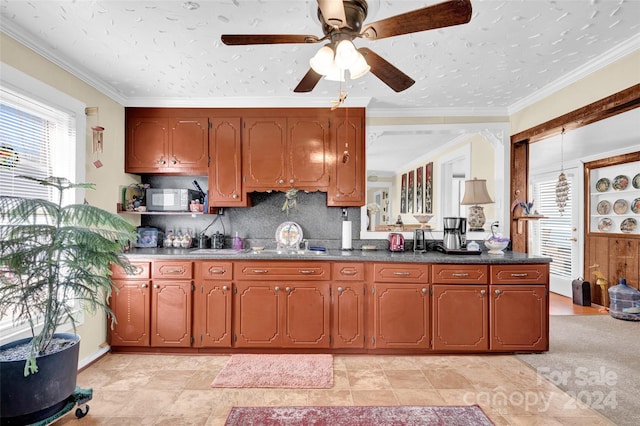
(289, 234)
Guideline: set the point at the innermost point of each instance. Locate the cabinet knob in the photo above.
(162, 160)
(498, 291)
(424, 290)
(287, 289)
(144, 286)
(290, 180)
(174, 162)
(280, 181)
(156, 286)
(276, 288)
(234, 196)
(483, 292)
(225, 288)
(340, 289)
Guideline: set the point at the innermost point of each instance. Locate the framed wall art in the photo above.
(428, 189)
(403, 194)
(410, 192)
(419, 190)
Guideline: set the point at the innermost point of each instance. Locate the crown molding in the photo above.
(616, 53)
(246, 102)
(437, 112)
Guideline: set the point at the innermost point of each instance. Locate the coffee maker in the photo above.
(455, 233)
(419, 241)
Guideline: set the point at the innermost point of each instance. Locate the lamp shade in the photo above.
(323, 60)
(475, 192)
(359, 68)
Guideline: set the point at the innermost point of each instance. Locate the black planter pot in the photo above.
(26, 400)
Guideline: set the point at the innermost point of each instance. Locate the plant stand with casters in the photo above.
(79, 397)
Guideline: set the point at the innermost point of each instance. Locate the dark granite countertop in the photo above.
(337, 255)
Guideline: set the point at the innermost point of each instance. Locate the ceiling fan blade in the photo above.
(386, 72)
(308, 82)
(333, 12)
(446, 14)
(244, 39)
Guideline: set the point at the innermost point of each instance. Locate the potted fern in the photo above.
(51, 256)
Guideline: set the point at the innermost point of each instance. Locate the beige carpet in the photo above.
(276, 371)
(596, 359)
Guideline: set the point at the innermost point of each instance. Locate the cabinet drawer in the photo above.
(401, 272)
(214, 270)
(281, 271)
(465, 274)
(519, 274)
(141, 272)
(348, 271)
(172, 269)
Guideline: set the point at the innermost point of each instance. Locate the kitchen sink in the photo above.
(218, 251)
(284, 252)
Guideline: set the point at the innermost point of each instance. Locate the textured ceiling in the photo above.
(165, 53)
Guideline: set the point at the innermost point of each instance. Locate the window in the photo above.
(40, 129)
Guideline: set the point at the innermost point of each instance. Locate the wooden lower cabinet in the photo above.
(212, 303)
(132, 310)
(282, 314)
(171, 313)
(460, 317)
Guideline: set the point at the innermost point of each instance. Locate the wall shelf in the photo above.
(120, 211)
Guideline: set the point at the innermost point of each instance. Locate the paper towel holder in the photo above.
(347, 244)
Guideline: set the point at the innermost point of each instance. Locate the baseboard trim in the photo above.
(94, 357)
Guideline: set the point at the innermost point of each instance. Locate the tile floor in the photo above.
(175, 390)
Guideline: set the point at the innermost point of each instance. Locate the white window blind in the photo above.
(552, 236)
(35, 140)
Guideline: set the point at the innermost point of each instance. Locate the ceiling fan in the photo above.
(342, 22)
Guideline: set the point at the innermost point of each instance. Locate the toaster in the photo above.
(396, 242)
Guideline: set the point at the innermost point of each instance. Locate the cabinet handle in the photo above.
(519, 275)
(276, 288)
(340, 289)
(217, 271)
(306, 271)
(156, 286)
(290, 180)
(144, 286)
(349, 272)
(460, 275)
(424, 290)
(483, 292)
(172, 271)
(162, 160)
(287, 289)
(280, 181)
(498, 291)
(225, 288)
(234, 196)
(259, 271)
(174, 162)
(404, 274)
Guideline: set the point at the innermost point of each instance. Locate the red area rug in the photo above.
(358, 416)
(276, 371)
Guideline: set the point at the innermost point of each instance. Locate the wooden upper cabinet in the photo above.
(347, 186)
(161, 143)
(264, 153)
(225, 172)
(308, 152)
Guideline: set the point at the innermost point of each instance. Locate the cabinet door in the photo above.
(146, 145)
(401, 316)
(225, 173)
(171, 313)
(460, 317)
(308, 153)
(264, 150)
(188, 145)
(131, 308)
(347, 187)
(518, 317)
(347, 316)
(306, 315)
(623, 261)
(256, 316)
(212, 314)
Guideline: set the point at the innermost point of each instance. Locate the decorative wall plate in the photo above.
(620, 182)
(620, 206)
(603, 185)
(605, 224)
(289, 234)
(635, 206)
(636, 181)
(628, 225)
(604, 207)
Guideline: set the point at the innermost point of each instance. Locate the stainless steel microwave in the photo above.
(170, 200)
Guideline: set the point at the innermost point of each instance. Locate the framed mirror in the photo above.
(455, 151)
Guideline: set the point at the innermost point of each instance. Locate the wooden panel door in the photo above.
(225, 173)
(188, 149)
(212, 314)
(264, 150)
(401, 316)
(623, 261)
(347, 187)
(460, 317)
(146, 145)
(256, 314)
(306, 319)
(347, 317)
(308, 153)
(131, 307)
(596, 254)
(171, 313)
(518, 318)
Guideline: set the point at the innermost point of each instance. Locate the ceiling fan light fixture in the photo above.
(335, 74)
(359, 68)
(322, 61)
(346, 54)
